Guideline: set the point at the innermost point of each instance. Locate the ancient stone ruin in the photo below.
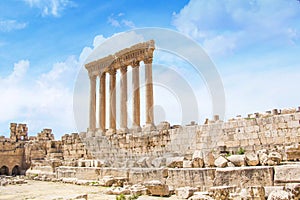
(253, 157)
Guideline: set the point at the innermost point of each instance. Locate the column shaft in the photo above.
(136, 95)
(149, 93)
(123, 93)
(102, 103)
(92, 125)
(112, 110)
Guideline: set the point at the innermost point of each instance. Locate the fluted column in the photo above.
(136, 94)
(123, 95)
(102, 103)
(92, 125)
(149, 91)
(112, 91)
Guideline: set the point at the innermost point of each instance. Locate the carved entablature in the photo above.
(129, 56)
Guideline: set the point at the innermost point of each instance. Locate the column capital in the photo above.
(112, 71)
(148, 60)
(135, 63)
(92, 76)
(123, 69)
(101, 75)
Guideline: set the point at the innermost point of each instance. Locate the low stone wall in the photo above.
(197, 177)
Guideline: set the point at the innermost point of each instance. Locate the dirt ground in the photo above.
(40, 190)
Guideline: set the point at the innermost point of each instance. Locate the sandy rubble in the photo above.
(58, 191)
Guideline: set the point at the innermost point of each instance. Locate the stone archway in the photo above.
(16, 171)
(4, 170)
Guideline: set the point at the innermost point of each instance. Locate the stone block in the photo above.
(280, 195)
(293, 188)
(256, 193)
(251, 159)
(193, 177)
(237, 160)
(221, 192)
(157, 188)
(244, 176)
(221, 162)
(287, 174)
(187, 164)
(185, 192)
(274, 158)
(175, 162)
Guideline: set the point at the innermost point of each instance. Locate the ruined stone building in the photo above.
(20, 152)
(192, 155)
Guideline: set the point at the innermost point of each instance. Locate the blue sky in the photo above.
(255, 46)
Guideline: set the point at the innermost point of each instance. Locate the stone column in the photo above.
(112, 110)
(123, 104)
(92, 125)
(149, 91)
(136, 95)
(102, 103)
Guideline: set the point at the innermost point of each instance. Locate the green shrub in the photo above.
(241, 151)
(121, 197)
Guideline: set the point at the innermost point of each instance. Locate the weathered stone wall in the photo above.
(260, 131)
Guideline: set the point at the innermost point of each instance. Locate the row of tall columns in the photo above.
(123, 98)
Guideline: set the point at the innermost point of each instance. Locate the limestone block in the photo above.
(293, 153)
(163, 126)
(263, 157)
(138, 190)
(200, 197)
(175, 162)
(251, 159)
(107, 181)
(118, 191)
(158, 162)
(144, 162)
(269, 189)
(256, 192)
(274, 158)
(221, 162)
(197, 159)
(280, 195)
(244, 176)
(187, 164)
(221, 192)
(293, 188)
(237, 160)
(157, 188)
(185, 192)
(287, 174)
(193, 177)
(230, 164)
(282, 125)
(293, 124)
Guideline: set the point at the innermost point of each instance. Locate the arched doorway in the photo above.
(16, 171)
(4, 171)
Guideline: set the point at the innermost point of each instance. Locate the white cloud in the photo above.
(10, 25)
(50, 7)
(113, 22)
(43, 101)
(228, 25)
(119, 21)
